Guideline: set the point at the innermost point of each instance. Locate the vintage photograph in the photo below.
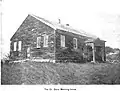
(60, 42)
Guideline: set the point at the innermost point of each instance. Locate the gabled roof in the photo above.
(55, 26)
(44, 21)
(93, 40)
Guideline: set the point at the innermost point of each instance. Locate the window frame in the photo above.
(62, 40)
(38, 42)
(15, 46)
(45, 40)
(19, 45)
(75, 45)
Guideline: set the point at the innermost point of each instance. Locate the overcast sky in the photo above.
(98, 17)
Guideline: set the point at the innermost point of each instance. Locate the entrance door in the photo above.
(98, 53)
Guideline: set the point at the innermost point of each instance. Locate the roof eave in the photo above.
(50, 25)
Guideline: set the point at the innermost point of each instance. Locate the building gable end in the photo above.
(50, 25)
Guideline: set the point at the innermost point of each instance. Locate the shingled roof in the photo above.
(60, 26)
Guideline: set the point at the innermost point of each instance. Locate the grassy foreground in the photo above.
(60, 73)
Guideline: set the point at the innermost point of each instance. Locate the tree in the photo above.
(118, 55)
(109, 50)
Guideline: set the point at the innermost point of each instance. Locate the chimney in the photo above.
(59, 21)
(67, 24)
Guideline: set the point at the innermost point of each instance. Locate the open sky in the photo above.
(98, 17)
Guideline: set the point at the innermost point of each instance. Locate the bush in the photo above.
(68, 54)
(108, 50)
(118, 56)
(113, 58)
(6, 59)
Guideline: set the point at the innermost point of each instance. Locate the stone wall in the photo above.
(68, 53)
(30, 29)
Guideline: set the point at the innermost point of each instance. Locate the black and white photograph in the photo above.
(60, 42)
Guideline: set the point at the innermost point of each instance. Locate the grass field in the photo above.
(61, 73)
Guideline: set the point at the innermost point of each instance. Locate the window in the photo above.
(15, 46)
(28, 52)
(75, 43)
(38, 42)
(62, 41)
(45, 44)
(19, 45)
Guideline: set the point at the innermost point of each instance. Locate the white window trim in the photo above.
(19, 45)
(28, 52)
(45, 43)
(15, 46)
(62, 37)
(38, 42)
(76, 46)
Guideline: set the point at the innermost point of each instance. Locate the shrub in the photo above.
(6, 59)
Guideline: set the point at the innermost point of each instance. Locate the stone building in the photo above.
(38, 38)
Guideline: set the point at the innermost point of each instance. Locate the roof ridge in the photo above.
(56, 25)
